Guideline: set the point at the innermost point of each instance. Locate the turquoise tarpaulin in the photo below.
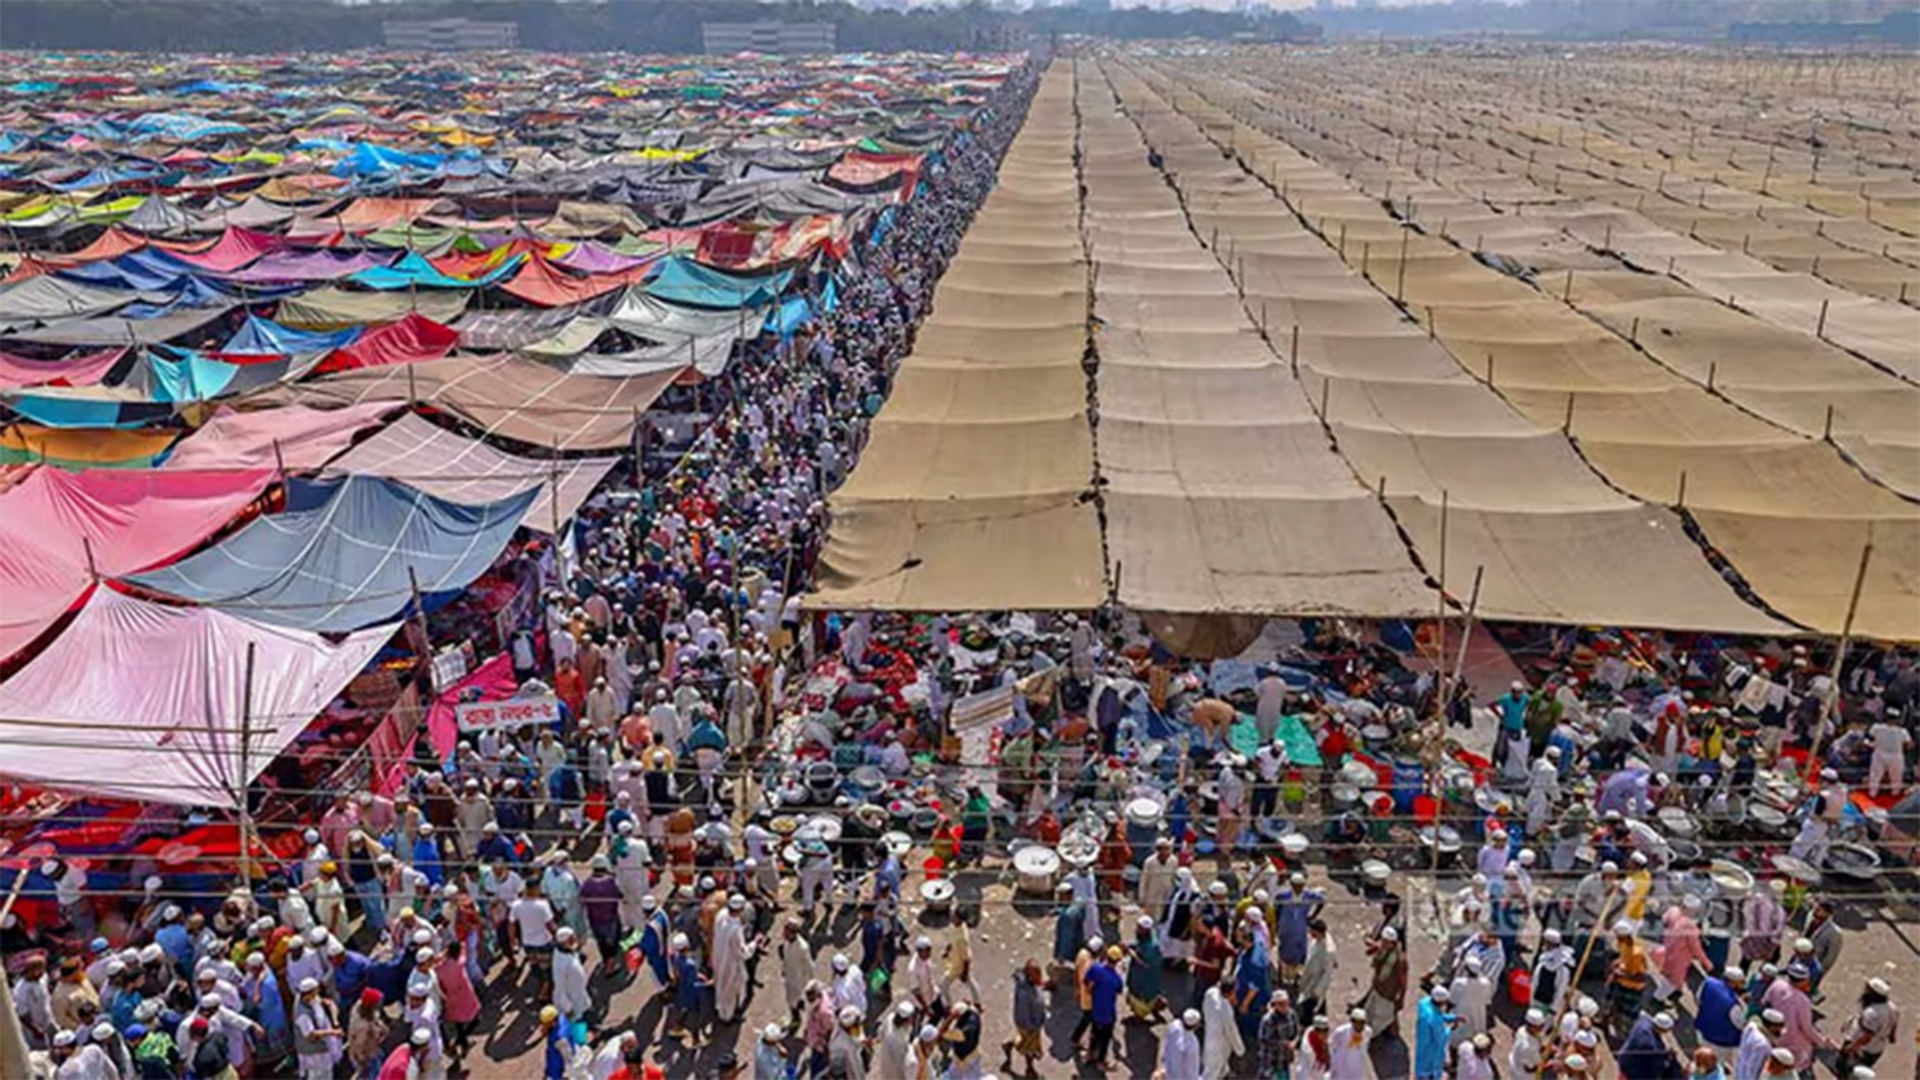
(1293, 734)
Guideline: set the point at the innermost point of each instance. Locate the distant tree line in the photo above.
(1605, 20)
(653, 26)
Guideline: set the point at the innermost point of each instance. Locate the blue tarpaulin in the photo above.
(264, 337)
(414, 271)
(346, 555)
(370, 160)
(149, 270)
(792, 314)
(680, 280)
(57, 411)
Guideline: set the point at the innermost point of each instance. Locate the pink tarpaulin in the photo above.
(235, 249)
(18, 372)
(307, 438)
(370, 213)
(411, 340)
(145, 701)
(54, 523)
(491, 681)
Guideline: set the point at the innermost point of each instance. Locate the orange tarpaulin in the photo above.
(539, 282)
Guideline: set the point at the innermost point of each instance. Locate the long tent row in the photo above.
(292, 356)
(205, 231)
(1312, 396)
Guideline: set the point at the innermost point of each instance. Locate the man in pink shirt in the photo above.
(1788, 995)
(1680, 950)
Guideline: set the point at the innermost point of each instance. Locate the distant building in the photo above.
(451, 35)
(767, 36)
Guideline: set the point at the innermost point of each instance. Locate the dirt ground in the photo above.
(1882, 938)
(1882, 928)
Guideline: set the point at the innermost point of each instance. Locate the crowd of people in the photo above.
(635, 841)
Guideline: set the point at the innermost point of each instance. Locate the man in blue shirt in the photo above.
(1104, 985)
(1432, 1031)
(559, 1043)
(174, 938)
(1722, 1014)
(1512, 707)
(349, 972)
(1646, 1055)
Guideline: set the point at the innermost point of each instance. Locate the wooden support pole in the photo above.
(1400, 279)
(242, 778)
(1840, 658)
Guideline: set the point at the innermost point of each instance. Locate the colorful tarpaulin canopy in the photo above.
(295, 438)
(55, 525)
(346, 554)
(505, 396)
(146, 701)
(453, 467)
(682, 281)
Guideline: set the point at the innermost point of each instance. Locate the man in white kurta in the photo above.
(1543, 792)
(1347, 1053)
(730, 951)
(796, 966)
(570, 993)
(1527, 1056)
(1157, 877)
(1223, 1033)
(1472, 994)
(849, 985)
(1180, 1054)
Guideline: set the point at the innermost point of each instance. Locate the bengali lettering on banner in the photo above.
(507, 713)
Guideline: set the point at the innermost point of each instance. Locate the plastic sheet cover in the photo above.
(346, 554)
(146, 701)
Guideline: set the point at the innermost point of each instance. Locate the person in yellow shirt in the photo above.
(1628, 976)
(1637, 885)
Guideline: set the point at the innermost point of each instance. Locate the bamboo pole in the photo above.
(1839, 659)
(242, 780)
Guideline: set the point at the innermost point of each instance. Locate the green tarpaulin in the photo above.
(1301, 749)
